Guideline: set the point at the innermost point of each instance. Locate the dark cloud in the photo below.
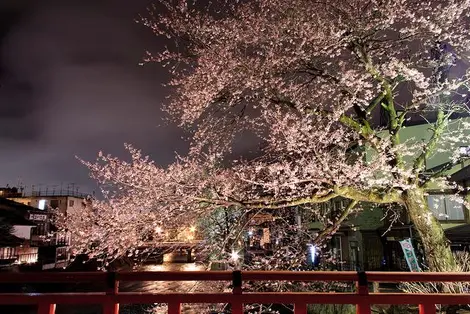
(71, 85)
(15, 94)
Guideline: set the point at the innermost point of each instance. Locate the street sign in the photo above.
(410, 255)
(37, 217)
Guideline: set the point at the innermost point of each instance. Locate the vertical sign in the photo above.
(410, 255)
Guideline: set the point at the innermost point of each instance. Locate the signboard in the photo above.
(261, 218)
(37, 217)
(410, 255)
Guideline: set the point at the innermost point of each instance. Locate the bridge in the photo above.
(184, 249)
(112, 297)
(175, 244)
(180, 241)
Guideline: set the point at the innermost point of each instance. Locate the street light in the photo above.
(312, 253)
(234, 256)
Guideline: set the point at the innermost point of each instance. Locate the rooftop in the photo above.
(14, 213)
(48, 191)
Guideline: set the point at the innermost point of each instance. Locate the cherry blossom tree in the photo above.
(310, 79)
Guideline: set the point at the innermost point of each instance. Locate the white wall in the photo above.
(23, 232)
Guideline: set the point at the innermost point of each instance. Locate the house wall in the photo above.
(63, 203)
(355, 257)
(54, 251)
(27, 255)
(371, 218)
(422, 133)
(23, 232)
(372, 250)
(361, 246)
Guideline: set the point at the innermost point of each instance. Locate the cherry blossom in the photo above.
(310, 79)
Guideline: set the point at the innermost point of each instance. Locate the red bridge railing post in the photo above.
(362, 288)
(112, 289)
(237, 306)
(427, 308)
(174, 308)
(46, 308)
(300, 308)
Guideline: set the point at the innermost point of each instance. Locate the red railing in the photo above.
(111, 298)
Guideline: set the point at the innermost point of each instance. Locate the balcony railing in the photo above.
(110, 299)
(42, 240)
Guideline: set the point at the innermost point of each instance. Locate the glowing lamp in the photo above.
(234, 256)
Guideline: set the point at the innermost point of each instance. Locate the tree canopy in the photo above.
(310, 79)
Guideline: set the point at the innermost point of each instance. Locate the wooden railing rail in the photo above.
(112, 297)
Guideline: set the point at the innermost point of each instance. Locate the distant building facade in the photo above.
(368, 241)
(15, 235)
(53, 245)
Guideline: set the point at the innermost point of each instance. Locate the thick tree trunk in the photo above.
(439, 257)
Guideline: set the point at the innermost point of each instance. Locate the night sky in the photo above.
(71, 84)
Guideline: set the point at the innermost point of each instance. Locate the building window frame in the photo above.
(446, 215)
(54, 203)
(42, 204)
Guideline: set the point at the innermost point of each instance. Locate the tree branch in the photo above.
(377, 100)
(442, 171)
(438, 129)
(328, 231)
(364, 130)
(395, 121)
(372, 196)
(317, 72)
(270, 204)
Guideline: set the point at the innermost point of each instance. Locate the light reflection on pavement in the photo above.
(167, 286)
(174, 286)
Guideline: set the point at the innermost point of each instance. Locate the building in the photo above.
(63, 201)
(368, 241)
(53, 245)
(446, 204)
(260, 239)
(15, 235)
(357, 244)
(458, 230)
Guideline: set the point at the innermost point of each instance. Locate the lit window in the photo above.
(42, 204)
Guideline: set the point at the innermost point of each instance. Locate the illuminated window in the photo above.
(42, 204)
